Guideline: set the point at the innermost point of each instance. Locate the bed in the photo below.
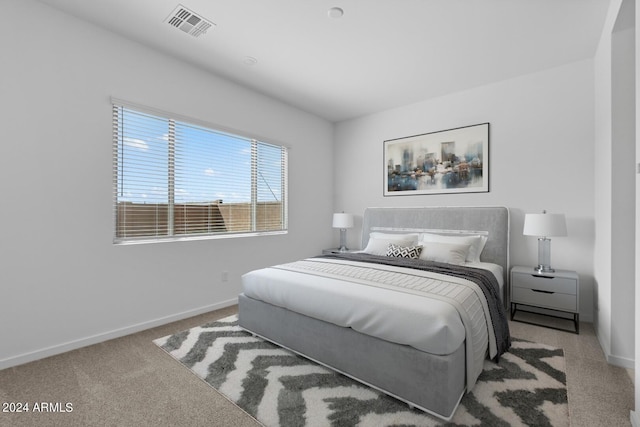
(417, 329)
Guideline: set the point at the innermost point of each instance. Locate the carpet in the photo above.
(279, 388)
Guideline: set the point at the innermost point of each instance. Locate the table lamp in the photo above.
(343, 221)
(543, 226)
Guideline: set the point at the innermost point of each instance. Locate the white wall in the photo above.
(614, 262)
(541, 157)
(623, 194)
(603, 182)
(63, 283)
(634, 419)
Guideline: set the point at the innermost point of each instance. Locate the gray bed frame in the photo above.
(432, 383)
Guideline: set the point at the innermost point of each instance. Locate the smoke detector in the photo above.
(188, 21)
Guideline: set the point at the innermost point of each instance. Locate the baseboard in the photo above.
(116, 333)
(634, 419)
(622, 362)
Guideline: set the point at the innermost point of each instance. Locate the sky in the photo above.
(209, 165)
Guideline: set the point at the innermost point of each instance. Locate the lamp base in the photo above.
(540, 269)
(343, 240)
(544, 256)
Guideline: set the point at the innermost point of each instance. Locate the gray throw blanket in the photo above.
(483, 278)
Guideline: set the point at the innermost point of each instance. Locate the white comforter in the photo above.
(428, 311)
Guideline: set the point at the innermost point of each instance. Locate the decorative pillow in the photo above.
(379, 242)
(412, 252)
(450, 253)
(476, 243)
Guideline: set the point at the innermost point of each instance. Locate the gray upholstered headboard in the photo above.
(490, 220)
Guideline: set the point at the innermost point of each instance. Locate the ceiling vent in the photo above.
(188, 21)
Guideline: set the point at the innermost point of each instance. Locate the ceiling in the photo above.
(380, 54)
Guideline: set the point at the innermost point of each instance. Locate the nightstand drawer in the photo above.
(554, 300)
(545, 283)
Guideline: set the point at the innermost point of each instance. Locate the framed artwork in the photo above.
(448, 161)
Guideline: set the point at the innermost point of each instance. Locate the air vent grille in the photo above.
(188, 21)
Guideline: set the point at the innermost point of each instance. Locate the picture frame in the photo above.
(448, 161)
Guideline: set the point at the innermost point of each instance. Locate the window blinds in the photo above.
(177, 179)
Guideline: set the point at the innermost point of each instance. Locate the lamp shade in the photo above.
(342, 220)
(544, 225)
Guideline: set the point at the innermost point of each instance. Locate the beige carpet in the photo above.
(129, 381)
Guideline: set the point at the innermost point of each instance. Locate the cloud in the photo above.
(210, 172)
(136, 143)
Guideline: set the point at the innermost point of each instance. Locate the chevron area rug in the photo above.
(280, 388)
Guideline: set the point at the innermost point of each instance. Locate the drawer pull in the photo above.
(543, 292)
(541, 277)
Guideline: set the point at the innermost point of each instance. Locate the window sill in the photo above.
(146, 240)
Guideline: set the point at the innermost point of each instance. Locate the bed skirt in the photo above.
(432, 383)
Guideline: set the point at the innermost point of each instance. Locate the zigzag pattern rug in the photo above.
(280, 388)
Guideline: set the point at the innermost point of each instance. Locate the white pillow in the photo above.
(450, 253)
(475, 241)
(379, 242)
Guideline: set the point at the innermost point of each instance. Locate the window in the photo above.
(175, 179)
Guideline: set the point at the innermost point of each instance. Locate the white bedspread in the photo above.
(428, 311)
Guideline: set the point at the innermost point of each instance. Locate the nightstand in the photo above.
(557, 291)
(337, 251)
